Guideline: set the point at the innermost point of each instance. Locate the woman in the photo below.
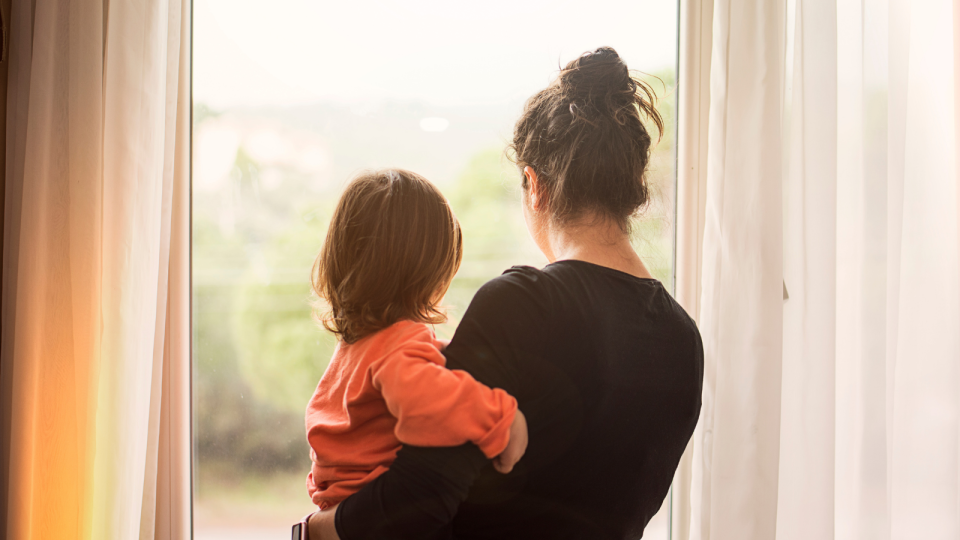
(605, 365)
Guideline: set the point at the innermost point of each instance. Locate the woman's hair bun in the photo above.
(584, 136)
(597, 75)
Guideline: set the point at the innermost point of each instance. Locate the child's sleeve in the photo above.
(435, 406)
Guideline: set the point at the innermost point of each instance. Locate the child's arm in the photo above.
(435, 406)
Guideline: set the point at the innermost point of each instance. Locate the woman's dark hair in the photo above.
(585, 138)
(392, 245)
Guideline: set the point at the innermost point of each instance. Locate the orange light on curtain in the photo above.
(51, 322)
(95, 320)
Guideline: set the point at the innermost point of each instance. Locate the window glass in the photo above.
(291, 98)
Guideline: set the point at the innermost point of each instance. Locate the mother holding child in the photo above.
(589, 359)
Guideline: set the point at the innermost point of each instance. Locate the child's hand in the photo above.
(515, 448)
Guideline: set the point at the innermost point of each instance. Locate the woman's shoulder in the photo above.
(516, 285)
(520, 276)
(516, 300)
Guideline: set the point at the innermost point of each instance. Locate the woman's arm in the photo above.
(420, 494)
(417, 498)
(322, 526)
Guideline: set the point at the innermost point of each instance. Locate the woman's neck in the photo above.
(598, 242)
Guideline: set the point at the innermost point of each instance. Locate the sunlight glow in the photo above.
(434, 124)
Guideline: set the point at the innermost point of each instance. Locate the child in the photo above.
(390, 254)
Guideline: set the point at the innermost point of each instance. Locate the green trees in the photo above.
(282, 352)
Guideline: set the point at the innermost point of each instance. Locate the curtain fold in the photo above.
(174, 490)
(693, 77)
(924, 398)
(862, 52)
(96, 329)
(805, 506)
(866, 385)
(734, 489)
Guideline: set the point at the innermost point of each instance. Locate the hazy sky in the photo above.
(444, 53)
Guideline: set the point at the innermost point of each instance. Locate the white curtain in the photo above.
(736, 442)
(95, 314)
(830, 296)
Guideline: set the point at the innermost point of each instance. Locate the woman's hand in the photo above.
(515, 448)
(322, 525)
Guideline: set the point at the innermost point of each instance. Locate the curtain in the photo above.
(95, 305)
(735, 453)
(693, 105)
(830, 289)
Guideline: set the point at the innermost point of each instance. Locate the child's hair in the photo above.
(393, 245)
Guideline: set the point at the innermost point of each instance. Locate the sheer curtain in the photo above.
(735, 445)
(95, 314)
(830, 290)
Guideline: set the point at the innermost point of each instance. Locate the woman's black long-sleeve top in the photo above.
(607, 368)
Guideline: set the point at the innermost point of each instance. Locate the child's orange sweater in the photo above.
(391, 388)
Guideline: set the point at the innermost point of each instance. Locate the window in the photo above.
(293, 97)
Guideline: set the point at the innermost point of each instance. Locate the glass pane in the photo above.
(293, 97)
